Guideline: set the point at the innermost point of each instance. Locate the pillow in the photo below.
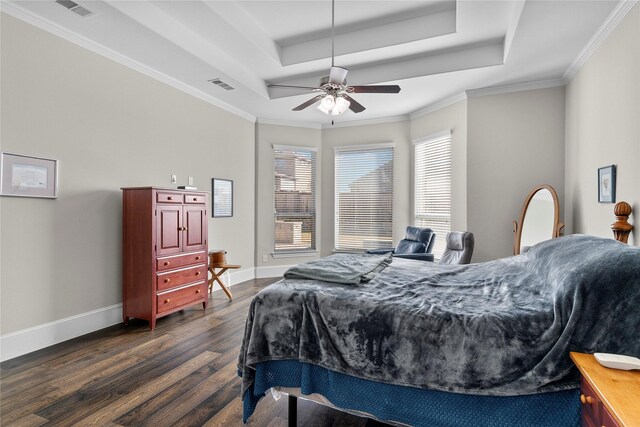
(410, 247)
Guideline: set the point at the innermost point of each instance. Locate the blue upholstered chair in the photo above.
(417, 244)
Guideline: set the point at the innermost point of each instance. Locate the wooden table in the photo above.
(610, 397)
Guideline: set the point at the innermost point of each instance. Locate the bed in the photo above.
(419, 343)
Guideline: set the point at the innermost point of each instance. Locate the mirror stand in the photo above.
(541, 209)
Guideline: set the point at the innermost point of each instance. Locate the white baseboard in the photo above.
(35, 338)
(272, 271)
(233, 278)
(38, 337)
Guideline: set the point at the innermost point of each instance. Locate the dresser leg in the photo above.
(152, 323)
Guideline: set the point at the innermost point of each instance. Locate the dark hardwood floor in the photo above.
(181, 374)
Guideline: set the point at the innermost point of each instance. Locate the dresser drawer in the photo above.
(162, 197)
(177, 278)
(607, 419)
(200, 199)
(590, 405)
(177, 261)
(169, 300)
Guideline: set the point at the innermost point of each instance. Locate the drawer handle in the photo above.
(586, 399)
(166, 263)
(197, 273)
(167, 301)
(197, 258)
(195, 199)
(166, 280)
(169, 198)
(197, 291)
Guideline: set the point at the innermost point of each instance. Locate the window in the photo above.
(363, 198)
(432, 199)
(295, 199)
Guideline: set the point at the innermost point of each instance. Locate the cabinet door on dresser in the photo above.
(195, 227)
(169, 230)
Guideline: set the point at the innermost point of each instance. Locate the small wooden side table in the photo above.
(610, 397)
(217, 260)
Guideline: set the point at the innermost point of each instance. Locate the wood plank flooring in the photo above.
(181, 374)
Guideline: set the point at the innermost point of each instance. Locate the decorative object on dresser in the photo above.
(609, 397)
(218, 259)
(621, 228)
(539, 219)
(607, 184)
(164, 251)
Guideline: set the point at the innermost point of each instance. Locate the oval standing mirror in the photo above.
(539, 219)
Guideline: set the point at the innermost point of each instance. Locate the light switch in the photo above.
(264, 258)
(190, 180)
(174, 179)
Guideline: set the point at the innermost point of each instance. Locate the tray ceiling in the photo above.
(433, 49)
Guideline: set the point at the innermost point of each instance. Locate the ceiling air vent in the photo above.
(75, 7)
(220, 83)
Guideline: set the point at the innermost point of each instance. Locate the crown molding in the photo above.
(391, 119)
(438, 105)
(274, 122)
(57, 30)
(516, 87)
(620, 11)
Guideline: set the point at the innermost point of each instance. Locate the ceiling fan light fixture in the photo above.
(340, 107)
(324, 110)
(328, 102)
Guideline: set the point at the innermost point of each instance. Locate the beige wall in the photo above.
(109, 127)
(453, 117)
(394, 132)
(266, 137)
(514, 142)
(603, 128)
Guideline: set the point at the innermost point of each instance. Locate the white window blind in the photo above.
(363, 198)
(432, 199)
(295, 199)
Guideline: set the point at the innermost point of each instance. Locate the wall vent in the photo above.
(220, 83)
(75, 7)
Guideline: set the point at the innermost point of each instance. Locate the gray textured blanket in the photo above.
(503, 327)
(349, 269)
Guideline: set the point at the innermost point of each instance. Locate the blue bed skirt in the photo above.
(414, 406)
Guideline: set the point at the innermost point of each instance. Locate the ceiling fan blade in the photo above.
(337, 75)
(308, 103)
(296, 87)
(375, 89)
(354, 105)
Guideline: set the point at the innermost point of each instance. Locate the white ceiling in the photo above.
(433, 49)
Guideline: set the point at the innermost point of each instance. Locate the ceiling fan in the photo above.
(335, 98)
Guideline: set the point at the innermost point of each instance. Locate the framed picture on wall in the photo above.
(607, 184)
(222, 190)
(27, 176)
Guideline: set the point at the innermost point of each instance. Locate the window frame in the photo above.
(364, 148)
(433, 138)
(313, 249)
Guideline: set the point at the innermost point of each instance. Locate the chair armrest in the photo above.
(380, 251)
(419, 257)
